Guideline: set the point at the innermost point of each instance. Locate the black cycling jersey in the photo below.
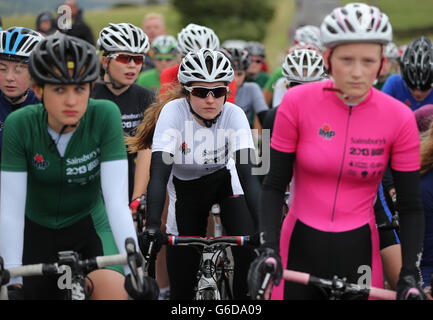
(6, 107)
(132, 104)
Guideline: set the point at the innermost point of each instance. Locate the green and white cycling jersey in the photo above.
(63, 190)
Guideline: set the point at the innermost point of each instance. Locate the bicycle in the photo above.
(215, 270)
(337, 287)
(77, 290)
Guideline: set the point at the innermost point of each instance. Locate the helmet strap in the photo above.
(15, 100)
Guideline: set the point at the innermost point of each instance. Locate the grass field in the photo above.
(404, 15)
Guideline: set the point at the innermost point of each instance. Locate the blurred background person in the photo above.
(79, 28)
(255, 71)
(392, 55)
(45, 24)
(164, 54)
(153, 26)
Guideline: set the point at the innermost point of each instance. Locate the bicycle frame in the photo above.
(212, 269)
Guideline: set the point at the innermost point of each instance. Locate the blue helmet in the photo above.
(17, 43)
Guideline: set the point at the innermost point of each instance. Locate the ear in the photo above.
(38, 90)
(382, 65)
(326, 54)
(104, 62)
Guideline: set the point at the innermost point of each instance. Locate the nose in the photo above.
(357, 69)
(10, 75)
(71, 98)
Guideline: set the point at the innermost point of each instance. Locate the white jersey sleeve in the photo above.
(12, 217)
(279, 91)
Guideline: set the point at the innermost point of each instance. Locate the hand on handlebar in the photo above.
(149, 290)
(264, 271)
(150, 241)
(408, 287)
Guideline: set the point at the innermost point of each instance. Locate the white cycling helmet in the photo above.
(195, 37)
(355, 22)
(123, 37)
(304, 65)
(308, 34)
(205, 65)
(17, 43)
(391, 51)
(165, 44)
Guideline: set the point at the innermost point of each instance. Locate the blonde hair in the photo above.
(145, 130)
(426, 150)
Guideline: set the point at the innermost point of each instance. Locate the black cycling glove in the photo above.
(150, 290)
(258, 270)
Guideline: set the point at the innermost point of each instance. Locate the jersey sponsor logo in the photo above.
(39, 162)
(326, 132)
(368, 141)
(359, 151)
(407, 102)
(184, 148)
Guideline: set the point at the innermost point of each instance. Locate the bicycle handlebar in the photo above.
(211, 241)
(339, 284)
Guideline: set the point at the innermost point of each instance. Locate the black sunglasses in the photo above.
(203, 92)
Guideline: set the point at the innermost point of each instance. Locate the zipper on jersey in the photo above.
(342, 163)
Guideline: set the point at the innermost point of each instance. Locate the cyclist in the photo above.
(57, 157)
(426, 193)
(203, 131)
(164, 54)
(414, 86)
(248, 94)
(392, 55)
(192, 38)
(309, 36)
(255, 71)
(124, 46)
(341, 151)
(16, 45)
(301, 65)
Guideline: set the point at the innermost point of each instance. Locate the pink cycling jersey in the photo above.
(342, 152)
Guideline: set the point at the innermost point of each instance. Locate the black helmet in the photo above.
(56, 55)
(239, 58)
(417, 64)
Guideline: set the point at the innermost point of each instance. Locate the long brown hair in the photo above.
(145, 130)
(426, 150)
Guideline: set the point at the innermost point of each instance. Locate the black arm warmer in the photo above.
(272, 196)
(156, 189)
(262, 116)
(387, 180)
(411, 215)
(250, 183)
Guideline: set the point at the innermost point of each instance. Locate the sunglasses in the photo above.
(126, 58)
(257, 60)
(164, 58)
(203, 92)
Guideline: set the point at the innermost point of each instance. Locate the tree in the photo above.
(230, 19)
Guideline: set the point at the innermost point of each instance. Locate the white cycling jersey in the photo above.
(199, 151)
